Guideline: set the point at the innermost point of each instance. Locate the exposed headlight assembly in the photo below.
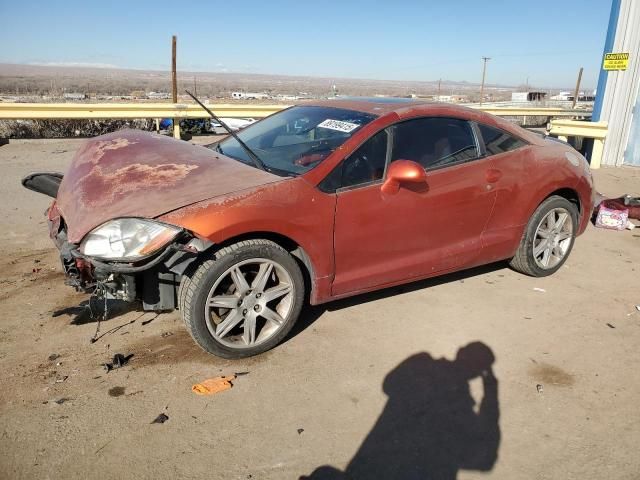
(127, 239)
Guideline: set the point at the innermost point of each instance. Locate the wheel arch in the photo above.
(568, 194)
(294, 248)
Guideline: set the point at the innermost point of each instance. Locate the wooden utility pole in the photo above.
(484, 71)
(174, 85)
(577, 91)
(439, 81)
(174, 75)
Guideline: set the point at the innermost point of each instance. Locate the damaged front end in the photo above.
(129, 259)
(102, 216)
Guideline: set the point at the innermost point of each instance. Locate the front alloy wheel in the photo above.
(248, 303)
(244, 301)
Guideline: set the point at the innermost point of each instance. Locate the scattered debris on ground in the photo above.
(537, 289)
(160, 418)
(59, 401)
(119, 361)
(213, 385)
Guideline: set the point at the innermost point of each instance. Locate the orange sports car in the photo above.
(317, 202)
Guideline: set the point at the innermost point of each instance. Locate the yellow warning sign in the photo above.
(615, 61)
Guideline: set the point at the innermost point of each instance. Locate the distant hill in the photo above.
(48, 80)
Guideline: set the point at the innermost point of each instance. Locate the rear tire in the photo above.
(548, 239)
(244, 301)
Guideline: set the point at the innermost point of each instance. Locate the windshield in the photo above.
(295, 140)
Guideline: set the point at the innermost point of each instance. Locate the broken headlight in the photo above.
(127, 239)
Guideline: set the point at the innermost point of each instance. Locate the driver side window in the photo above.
(364, 166)
(367, 163)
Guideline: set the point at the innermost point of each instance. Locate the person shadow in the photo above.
(431, 427)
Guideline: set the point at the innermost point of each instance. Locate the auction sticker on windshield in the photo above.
(338, 125)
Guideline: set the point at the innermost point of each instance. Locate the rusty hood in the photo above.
(140, 174)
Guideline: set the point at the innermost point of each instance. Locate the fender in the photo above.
(258, 213)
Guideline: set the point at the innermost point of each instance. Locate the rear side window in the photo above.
(434, 142)
(498, 141)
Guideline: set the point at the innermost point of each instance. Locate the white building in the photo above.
(528, 96)
(74, 96)
(618, 93)
(568, 96)
(158, 95)
(249, 96)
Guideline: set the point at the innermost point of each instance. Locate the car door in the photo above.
(385, 238)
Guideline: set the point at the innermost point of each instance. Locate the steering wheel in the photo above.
(358, 169)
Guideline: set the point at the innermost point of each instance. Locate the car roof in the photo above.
(374, 105)
(409, 107)
(384, 105)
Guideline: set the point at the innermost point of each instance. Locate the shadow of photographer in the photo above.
(431, 427)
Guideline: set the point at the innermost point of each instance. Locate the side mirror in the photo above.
(403, 172)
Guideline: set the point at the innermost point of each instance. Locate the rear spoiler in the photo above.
(47, 183)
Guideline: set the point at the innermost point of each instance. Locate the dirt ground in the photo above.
(564, 403)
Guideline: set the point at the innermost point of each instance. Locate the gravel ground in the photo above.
(566, 371)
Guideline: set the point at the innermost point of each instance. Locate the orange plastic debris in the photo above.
(213, 385)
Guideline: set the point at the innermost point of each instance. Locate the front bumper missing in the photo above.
(153, 281)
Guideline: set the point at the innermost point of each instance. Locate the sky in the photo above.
(544, 41)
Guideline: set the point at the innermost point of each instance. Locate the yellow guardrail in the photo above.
(573, 128)
(14, 111)
(90, 111)
(34, 111)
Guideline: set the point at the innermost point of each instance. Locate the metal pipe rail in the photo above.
(572, 128)
(533, 111)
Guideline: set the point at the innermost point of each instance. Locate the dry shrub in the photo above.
(68, 128)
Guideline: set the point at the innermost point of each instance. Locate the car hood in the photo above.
(131, 173)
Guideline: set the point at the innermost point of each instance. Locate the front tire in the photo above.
(244, 301)
(548, 239)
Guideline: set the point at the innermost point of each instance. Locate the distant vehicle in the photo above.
(318, 202)
(205, 126)
(233, 123)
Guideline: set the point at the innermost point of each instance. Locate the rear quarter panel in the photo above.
(537, 172)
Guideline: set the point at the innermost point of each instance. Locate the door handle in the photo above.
(493, 175)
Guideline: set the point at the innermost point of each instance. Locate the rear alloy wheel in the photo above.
(548, 238)
(245, 301)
